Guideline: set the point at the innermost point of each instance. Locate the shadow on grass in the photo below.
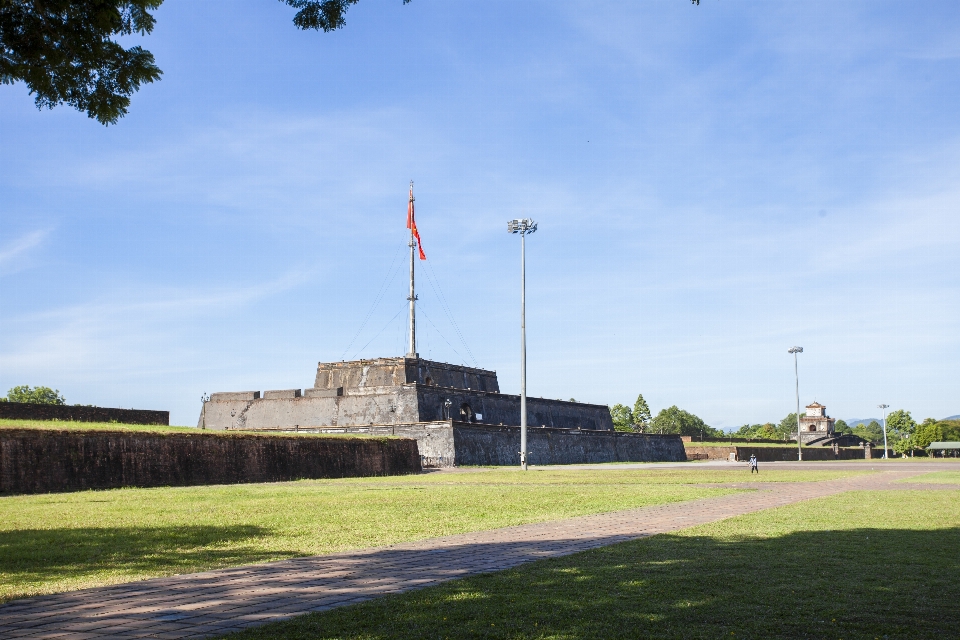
(860, 583)
(57, 555)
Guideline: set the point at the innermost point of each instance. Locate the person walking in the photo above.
(753, 464)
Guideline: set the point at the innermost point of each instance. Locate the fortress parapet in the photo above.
(395, 391)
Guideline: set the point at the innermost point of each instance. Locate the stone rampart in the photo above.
(391, 372)
(486, 445)
(70, 413)
(504, 409)
(445, 443)
(44, 461)
(403, 404)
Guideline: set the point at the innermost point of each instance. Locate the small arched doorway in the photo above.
(466, 413)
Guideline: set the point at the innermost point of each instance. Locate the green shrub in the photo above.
(35, 395)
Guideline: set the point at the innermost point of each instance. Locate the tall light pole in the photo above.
(796, 375)
(884, 407)
(524, 227)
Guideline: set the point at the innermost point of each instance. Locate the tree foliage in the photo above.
(903, 446)
(872, 432)
(622, 417)
(927, 432)
(901, 423)
(766, 431)
(676, 420)
(322, 15)
(65, 52)
(951, 430)
(788, 426)
(626, 419)
(35, 395)
(641, 414)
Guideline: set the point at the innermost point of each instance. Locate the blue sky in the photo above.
(713, 185)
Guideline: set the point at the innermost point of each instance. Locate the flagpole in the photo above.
(412, 352)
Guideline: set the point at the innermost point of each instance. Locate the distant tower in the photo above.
(816, 424)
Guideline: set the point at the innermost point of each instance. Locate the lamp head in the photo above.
(523, 226)
(795, 350)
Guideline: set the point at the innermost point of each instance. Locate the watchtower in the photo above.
(816, 424)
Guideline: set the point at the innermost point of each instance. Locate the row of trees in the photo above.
(903, 432)
(769, 430)
(670, 420)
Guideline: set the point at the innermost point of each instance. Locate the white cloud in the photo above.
(13, 255)
(128, 334)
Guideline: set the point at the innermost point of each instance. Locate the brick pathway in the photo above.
(214, 602)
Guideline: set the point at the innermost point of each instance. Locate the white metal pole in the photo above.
(523, 352)
(796, 375)
(884, 407)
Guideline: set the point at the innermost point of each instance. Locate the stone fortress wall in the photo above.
(55, 460)
(395, 391)
(76, 413)
(456, 414)
(386, 372)
(447, 443)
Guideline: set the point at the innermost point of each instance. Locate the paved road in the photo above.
(213, 602)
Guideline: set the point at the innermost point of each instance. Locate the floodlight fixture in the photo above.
(523, 226)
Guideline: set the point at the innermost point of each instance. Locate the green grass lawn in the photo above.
(938, 477)
(90, 426)
(70, 425)
(878, 564)
(60, 542)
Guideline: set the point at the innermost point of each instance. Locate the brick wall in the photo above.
(42, 461)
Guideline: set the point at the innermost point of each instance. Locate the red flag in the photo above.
(412, 224)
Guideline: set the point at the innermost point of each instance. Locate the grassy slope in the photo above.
(60, 542)
(858, 565)
(90, 426)
(55, 425)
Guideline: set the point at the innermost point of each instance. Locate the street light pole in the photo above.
(884, 407)
(523, 227)
(796, 375)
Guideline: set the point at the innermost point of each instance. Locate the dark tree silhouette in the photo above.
(65, 52)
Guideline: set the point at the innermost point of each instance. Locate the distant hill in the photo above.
(855, 423)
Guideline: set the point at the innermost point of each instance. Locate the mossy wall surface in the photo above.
(70, 413)
(46, 461)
